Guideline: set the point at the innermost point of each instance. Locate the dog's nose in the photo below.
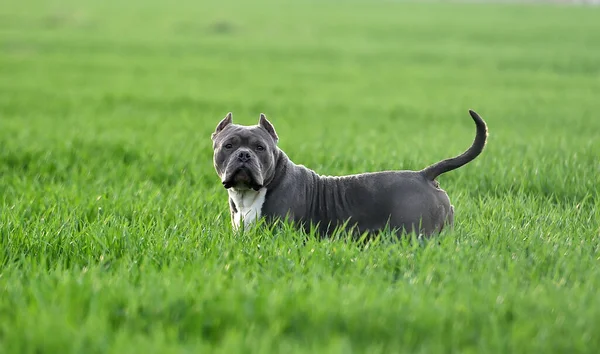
(244, 156)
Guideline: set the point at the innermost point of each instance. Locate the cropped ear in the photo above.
(265, 124)
(222, 124)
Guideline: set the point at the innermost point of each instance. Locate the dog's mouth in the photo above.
(241, 178)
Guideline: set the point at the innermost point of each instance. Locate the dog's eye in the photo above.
(260, 147)
(228, 146)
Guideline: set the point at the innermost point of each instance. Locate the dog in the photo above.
(262, 182)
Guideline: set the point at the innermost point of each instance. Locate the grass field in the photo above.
(114, 228)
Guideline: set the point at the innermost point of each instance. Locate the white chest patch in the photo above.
(248, 206)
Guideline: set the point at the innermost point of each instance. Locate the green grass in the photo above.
(114, 228)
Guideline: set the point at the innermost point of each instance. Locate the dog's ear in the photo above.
(222, 124)
(266, 125)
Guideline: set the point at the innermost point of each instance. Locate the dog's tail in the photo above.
(444, 166)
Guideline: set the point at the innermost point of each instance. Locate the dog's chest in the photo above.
(247, 206)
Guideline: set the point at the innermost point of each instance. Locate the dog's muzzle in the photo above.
(243, 172)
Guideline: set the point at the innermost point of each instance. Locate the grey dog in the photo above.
(263, 182)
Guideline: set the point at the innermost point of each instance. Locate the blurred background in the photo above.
(350, 85)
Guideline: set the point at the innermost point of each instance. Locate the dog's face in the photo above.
(244, 156)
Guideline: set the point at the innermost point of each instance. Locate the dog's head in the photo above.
(245, 156)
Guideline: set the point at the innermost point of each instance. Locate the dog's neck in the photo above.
(282, 164)
(246, 206)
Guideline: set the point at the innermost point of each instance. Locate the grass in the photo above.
(114, 229)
